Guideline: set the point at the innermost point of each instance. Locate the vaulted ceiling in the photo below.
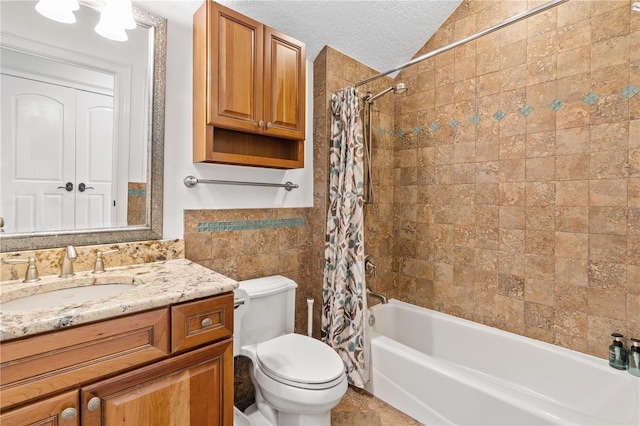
(379, 33)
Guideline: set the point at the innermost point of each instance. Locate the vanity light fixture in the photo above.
(116, 16)
(58, 10)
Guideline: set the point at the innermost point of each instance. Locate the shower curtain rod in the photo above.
(509, 21)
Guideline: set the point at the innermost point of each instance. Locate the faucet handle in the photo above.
(98, 267)
(369, 266)
(31, 275)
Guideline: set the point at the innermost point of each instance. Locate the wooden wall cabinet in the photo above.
(163, 367)
(249, 91)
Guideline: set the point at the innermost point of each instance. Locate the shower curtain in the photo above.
(344, 304)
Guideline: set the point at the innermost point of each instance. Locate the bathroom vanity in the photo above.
(158, 353)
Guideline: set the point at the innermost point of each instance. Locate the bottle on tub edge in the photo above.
(633, 357)
(617, 353)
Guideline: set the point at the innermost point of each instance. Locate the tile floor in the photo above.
(360, 408)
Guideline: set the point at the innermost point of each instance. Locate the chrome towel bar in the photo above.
(191, 181)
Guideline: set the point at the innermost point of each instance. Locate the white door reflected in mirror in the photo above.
(58, 147)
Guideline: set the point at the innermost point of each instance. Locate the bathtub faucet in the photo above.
(380, 296)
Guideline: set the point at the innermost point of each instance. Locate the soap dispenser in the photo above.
(617, 353)
(633, 357)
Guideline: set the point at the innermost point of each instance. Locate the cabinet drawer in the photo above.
(59, 410)
(44, 364)
(200, 322)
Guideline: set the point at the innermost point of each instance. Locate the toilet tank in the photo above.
(270, 312)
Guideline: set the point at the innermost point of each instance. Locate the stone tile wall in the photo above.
(517, 165)
(137, 203)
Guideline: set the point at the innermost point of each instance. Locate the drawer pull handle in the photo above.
(69, 413)
(206, 322)
(93, 404)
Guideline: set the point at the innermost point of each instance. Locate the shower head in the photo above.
(397, 89)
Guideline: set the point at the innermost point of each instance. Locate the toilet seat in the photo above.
(300, 361)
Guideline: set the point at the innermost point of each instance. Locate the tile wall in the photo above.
(517, 172)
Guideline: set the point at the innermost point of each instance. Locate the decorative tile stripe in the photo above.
(247, 225)
(526, 110)
(556, 104)
(630, 91)
(137, 193)
(590, 98)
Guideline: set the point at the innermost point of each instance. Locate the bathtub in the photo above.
(440, 369)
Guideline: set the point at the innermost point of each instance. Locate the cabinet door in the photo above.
(60, 410)
(236, 69)
(191, 389)
(284, 85)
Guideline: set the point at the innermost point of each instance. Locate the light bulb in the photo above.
(114, 19)
(108, 30)
(58, 10)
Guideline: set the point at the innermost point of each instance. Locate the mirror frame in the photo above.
(155, 167)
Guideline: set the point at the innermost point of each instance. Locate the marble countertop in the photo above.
(156, 284)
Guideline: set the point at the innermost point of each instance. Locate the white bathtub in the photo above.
(441, 369)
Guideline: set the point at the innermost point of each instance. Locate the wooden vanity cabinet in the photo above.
(249, 91)
(186, 390)
(126, 370)
(60, 410)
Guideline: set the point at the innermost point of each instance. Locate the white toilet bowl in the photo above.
(297, 379)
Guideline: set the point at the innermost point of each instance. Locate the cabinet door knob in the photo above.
(206, 322)
(93, 404)
(269, 125)
(69, 413)
(261, 124)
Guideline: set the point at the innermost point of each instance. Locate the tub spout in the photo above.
(380, 296)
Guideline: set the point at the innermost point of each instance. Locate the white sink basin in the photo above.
(65, 296)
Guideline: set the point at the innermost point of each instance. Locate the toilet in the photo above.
(297, 379)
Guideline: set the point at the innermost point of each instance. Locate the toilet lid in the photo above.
(300, 361)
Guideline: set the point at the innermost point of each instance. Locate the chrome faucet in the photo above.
(98, 267)
(31, 274)
(66, 267)
(380, 296)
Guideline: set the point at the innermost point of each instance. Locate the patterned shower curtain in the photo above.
(344, 304)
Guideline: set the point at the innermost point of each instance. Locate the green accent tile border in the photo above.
(247, 225)
(137, 193)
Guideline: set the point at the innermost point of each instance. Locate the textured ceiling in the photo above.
(382, 34)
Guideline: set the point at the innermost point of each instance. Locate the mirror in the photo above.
(103, 191)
